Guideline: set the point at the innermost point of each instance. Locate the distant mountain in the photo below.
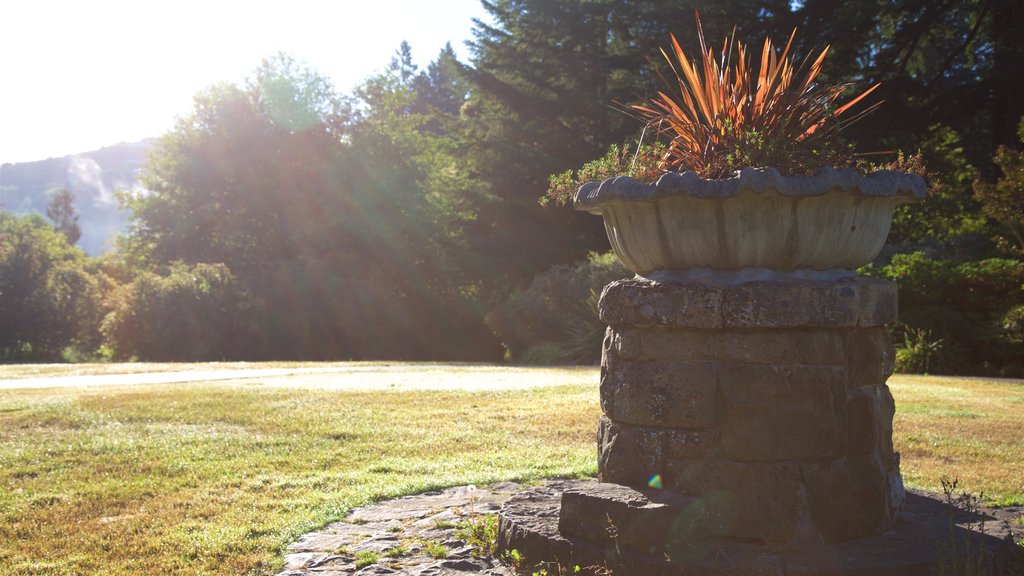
(91, 176)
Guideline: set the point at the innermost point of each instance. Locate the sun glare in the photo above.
(81, 75)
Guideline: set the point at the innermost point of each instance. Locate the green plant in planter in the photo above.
(719, 115)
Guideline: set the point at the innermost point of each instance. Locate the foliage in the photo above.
(481, 533)
(920, 353)
(541, 78)
(643, 164)
(61, 210)
(247, 176)
(585, 332)
(191, 313)
(387, 222)
(335, 213)
(366, 558)
(1004, 200)
(435, 550)
(948, 223)
(955, 312)
(49, 295)
(722, 118)
(558, 309)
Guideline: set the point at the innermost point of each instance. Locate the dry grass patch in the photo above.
(966, 428)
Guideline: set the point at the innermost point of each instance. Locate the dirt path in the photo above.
(382, 377)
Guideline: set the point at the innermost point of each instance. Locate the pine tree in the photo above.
(61, 210)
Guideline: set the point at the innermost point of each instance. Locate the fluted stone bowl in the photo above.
(756, 220)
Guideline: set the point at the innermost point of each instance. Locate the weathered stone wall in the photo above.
(766, 401)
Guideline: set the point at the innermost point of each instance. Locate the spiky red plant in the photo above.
(721, 115)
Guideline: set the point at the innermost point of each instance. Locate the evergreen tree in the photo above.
(61, 210)
(545, 79)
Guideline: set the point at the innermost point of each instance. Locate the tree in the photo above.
(424, 199)
(247, 177)
(545, 78)
(61, 210)
(197, 313)
(49, 299)
(337, 214)
(1003, 201)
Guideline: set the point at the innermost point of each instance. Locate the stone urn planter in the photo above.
(747, 424)
(748, 358)
(759, 220)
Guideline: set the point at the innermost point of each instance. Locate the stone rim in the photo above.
(836, 219)
(593, 196)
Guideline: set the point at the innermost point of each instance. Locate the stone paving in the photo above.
(399, 533)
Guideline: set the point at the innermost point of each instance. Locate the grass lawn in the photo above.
(217, 477)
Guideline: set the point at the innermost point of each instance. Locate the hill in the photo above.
(92, 176)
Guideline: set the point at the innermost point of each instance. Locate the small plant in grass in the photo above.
(962, 556)
(366, 558)
(435, 550)
(556, 570)
(480, 532)
(442, 524)
(397, 551)
(922, 353)
(514, 559)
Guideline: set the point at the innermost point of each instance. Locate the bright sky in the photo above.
(77, 75)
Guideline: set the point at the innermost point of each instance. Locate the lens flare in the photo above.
(655, 482)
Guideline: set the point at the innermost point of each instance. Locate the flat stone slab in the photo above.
(853, 302)
(919, 545)
(397, 531)
(405, 523)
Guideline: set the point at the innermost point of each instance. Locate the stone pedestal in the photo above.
(746, 429)
(761, 407)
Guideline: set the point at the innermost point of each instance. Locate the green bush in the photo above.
(921, 353)
(959, 314)
(195, 313)
(558, 309)
(49, 295)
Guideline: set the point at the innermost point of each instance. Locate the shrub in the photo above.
(921, 353)
(961, 314)
(49, 295)
(197, 313)
(558, 311)
(643, 164)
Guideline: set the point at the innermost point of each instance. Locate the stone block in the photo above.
(646, 303)
(609, 381)
(763, 501)
(863, 422)
(691, 444)
(627, 454)
(661, 393)
(626, 342)
(614, 514)
(871, 358)
(848, 497)
(784, 346)
(885, 410)
(782, 412)
(854, 302)
(786, 304)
